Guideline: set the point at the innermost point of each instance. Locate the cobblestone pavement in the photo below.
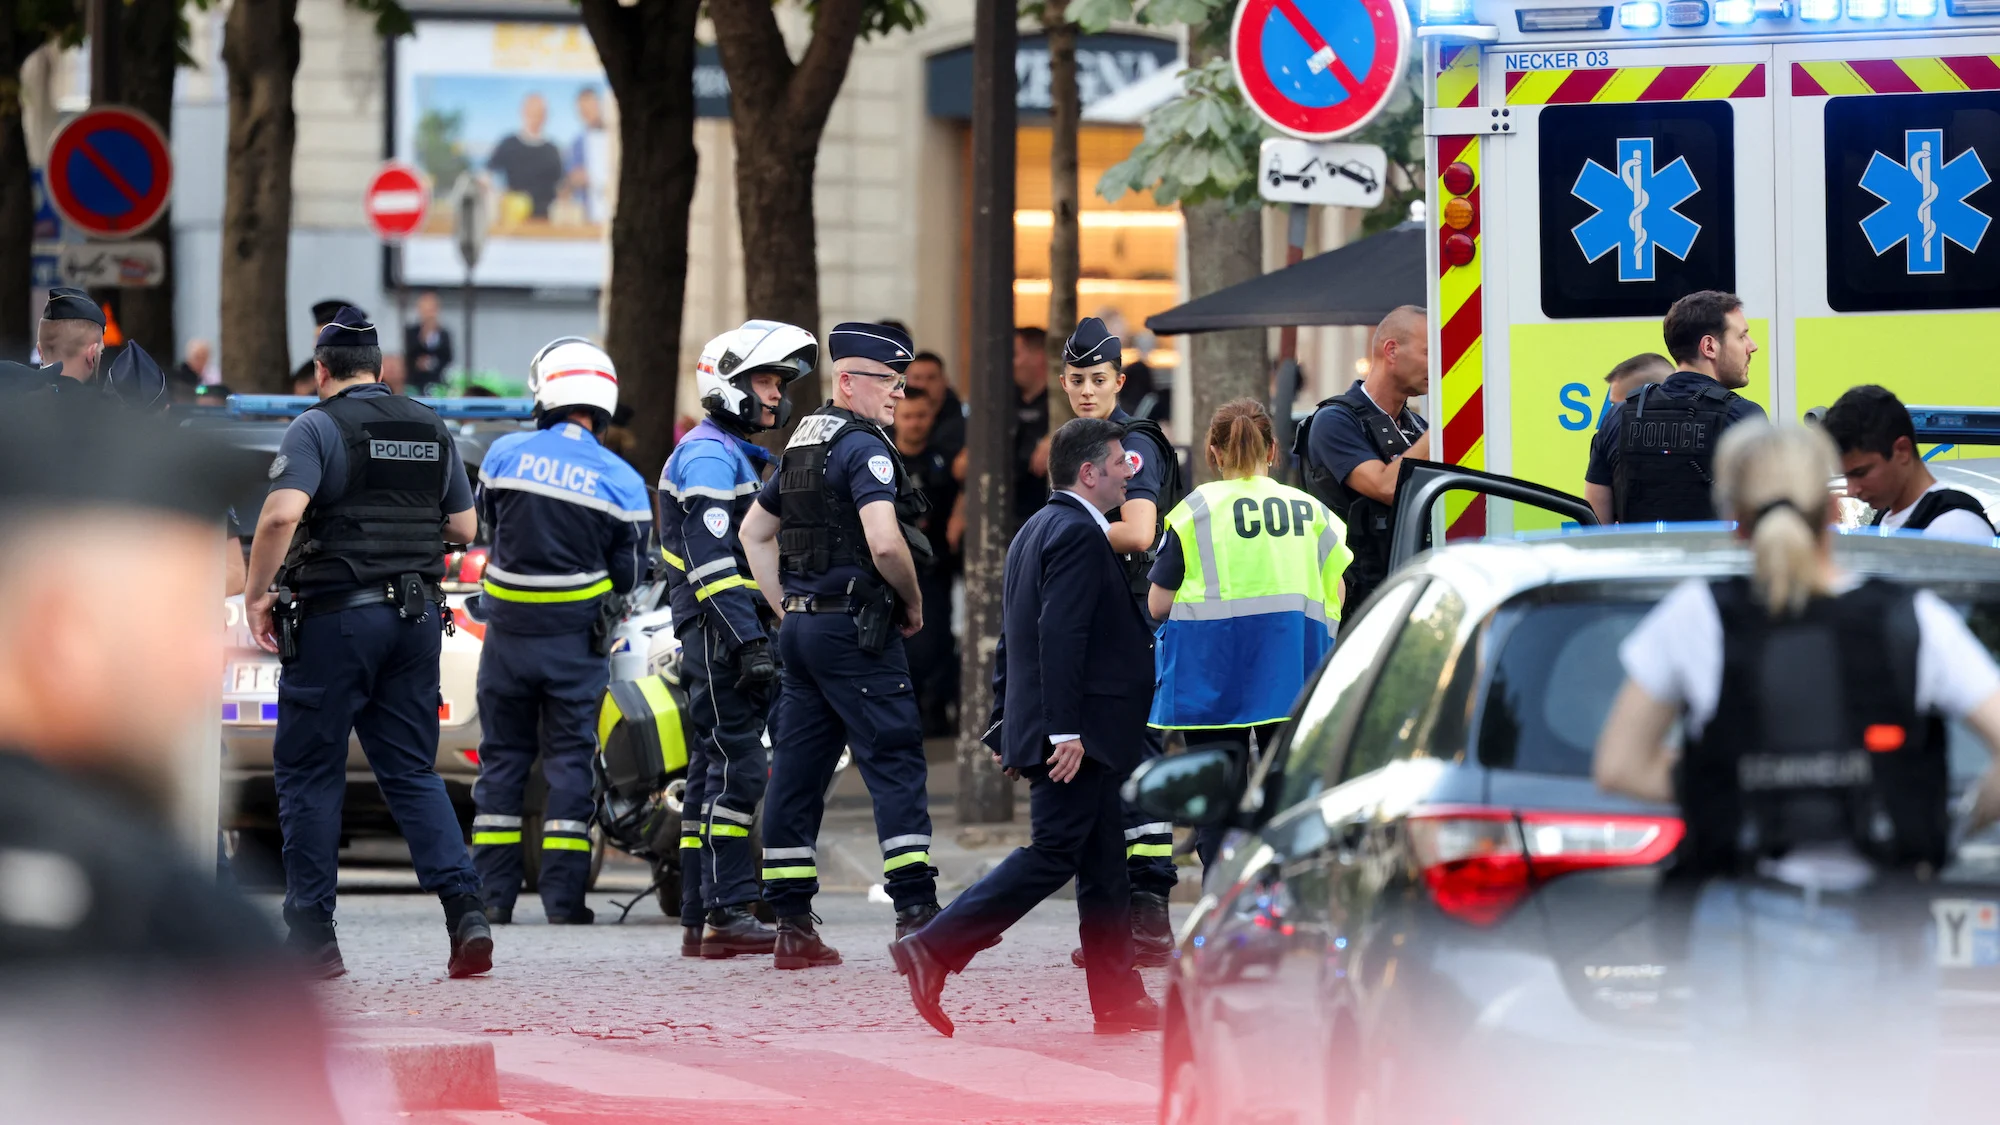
(610, 1023)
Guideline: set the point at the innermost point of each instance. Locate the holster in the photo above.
(610, 611)
(286, 617)
(875, 619)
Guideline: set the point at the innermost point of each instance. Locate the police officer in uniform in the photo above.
(1650, 460)
(724, 626)
(571, 527)
(1352, 447)
(836, 520)
(323, 313)
(1092, 377)
(366, 490)
(71, 333)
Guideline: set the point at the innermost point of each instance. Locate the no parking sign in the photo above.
(1319, 69)
(109, 172)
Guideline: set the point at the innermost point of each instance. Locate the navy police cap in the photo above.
(1092, 344)
(325, 311)
(349, 328)
(884, 343)
(67, 303)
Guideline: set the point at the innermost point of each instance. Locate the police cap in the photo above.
(69, 452)
(135, 379)
(1092, 344)
(324, 311)
(348, 327)
(69, 303)
(883, 343)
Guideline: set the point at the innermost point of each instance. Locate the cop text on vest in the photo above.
(402, 450)
(1280, 517)
(562, 474)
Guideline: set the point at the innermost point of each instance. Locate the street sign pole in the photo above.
(471, 213)
(1288, 344)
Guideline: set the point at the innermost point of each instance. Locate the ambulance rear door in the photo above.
(1889, 266)
(1634, 175)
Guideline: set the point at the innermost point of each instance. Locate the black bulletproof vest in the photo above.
(1370, 526)
(1816, 737)
(818, 532)
(1935, 504)
(1666, 447)
(1139, 565)
(388, 520)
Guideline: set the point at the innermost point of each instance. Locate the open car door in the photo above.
(1422, 484)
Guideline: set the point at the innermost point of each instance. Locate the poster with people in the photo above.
(525, 109)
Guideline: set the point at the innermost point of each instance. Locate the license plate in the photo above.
(1968, 932)
(254, 678)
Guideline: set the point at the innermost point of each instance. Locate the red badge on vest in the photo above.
(1881, 738)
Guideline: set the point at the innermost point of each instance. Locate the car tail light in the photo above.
(464, 570)
(1479, 863)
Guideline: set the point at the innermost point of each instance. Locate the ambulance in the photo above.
(1834, 162)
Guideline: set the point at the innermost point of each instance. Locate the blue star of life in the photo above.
(1923, 201)
(1635, 209)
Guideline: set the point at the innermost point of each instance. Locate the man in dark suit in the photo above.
(1074, 681)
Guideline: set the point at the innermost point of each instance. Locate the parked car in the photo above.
(1428, 912)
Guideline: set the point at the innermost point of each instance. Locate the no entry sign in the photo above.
(397, 200)
(1319, 69)
(109, 172)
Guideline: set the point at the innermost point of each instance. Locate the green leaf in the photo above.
(391, 18)
(1094, 16)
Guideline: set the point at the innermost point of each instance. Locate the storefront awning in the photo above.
(1357, 284)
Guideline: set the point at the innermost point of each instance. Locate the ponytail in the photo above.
(1772, 480)
(1240, 439)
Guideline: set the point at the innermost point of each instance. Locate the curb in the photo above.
(423, 1068)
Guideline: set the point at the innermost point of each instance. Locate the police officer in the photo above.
(71, 333)
(726, 659)
(1650, 460)
(366, 490)
(571, 526)
(323, 313)
(1092, 377)
(836, 519)
(1815, 785)
(1352, 448)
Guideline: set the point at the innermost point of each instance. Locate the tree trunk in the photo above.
(260, 47)
(147, 59)
(778, 110)
(648, 55)
(17, 221)
(1065, 253)
(1223, 249)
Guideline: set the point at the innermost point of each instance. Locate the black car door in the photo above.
(1422, 484)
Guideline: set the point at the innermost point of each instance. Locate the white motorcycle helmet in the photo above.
(722, 375)
(571, 373)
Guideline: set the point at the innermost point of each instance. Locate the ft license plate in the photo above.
(1968, 932)
(255, 678)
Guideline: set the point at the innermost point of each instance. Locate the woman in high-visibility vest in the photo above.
(1248, 587)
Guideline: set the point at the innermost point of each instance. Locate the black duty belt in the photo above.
(356, 599)
(821, 603)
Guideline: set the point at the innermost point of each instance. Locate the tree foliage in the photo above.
(1199, 147)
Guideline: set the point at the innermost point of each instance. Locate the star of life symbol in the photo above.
(1635, 209)
(1923, 201)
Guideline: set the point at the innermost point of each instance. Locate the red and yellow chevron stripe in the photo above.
(1636, 84)
(1461, 434)
(1945, 75)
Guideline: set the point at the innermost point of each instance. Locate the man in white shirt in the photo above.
(1878, 452)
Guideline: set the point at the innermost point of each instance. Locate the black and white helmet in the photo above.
(722, 375)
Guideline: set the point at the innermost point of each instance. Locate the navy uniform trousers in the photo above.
(370, 672)
(1075, 830)
(539, 694)
(727, 768)
(833, 695)
(1149, 841)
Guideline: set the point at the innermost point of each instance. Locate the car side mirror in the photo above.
(1200, 787)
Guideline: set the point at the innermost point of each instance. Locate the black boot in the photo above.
(734, 929)
(499, 915)
(471, 937)
(799, 945)
(1152, 930)
(313, 940)
(910, 919)
(691, 939)
(582, 916)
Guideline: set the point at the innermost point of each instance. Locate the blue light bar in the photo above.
(1639, 15)
(1867, 9)
(1446, 11)
(1819, 11)
(1959, 425)
(459, 409)
(1735, 13)
(1916, 9)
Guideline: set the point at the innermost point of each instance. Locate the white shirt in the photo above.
(1957, 525)
(1105, 526)
(1675, 656)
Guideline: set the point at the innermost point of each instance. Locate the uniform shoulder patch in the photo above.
(1135, 459)
(881, 469)
(716, 521)
(278, 465)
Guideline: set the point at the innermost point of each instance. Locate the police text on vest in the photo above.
(403, 450)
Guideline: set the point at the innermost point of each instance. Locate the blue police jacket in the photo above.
(570, 522)
(706, 487)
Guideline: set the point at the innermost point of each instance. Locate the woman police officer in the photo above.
(1248, 587)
